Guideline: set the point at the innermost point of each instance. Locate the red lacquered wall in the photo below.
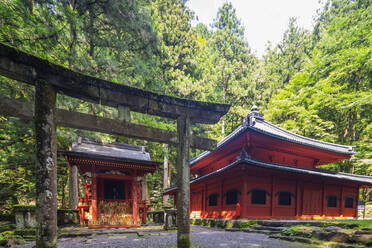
(308, 195)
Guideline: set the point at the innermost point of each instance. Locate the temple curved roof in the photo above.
(115, 152)
(256, 123)
(245, 159)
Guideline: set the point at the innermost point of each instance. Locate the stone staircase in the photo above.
(319, 233)
(258, 229)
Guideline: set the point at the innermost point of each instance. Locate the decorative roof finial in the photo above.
(254, 108)
(243, 155)
(251, 118)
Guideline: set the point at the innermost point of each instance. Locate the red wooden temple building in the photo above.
(114, 180)
(261, 171)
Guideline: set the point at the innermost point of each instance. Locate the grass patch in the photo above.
(248, 224)
(9, 239)
(305, 228)
(361, 223)
(192, 246)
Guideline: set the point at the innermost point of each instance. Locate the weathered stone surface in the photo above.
(305, 234)
(364, 231)
(233, 229)
(46, 165)
(26, 68)
(166, 175)
(340, 237)
(73, 197)
(337, 245)
(170, 216)
(183, 182)
(318, 234)
(295, 239)
(289, 223)
(269, 228)
(365, 239)
(25, 216)
(65, 118)
(332, 228)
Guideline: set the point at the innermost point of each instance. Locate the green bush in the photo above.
(289, 232)
(248, 224)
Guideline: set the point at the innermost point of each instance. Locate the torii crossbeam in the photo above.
(50, 79)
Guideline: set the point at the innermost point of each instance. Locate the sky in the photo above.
(263, 20)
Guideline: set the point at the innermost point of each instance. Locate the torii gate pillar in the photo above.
(183, 182)
(46, 165)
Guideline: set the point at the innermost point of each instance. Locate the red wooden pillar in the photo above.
(134, 197)
(342, 201)
(356, 203)
(94, 195)
(299, 195)
(244, 202)
(323, 200)
(222, 196)
(272, 196)
(205, 201)
(202, 202)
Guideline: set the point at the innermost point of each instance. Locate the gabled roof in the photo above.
(245, 159)
(256, 123)
(120, 152)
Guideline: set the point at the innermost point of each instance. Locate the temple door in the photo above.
(312, 199)
(196, 204)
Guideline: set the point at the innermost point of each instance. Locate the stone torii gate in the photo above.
(50, 79)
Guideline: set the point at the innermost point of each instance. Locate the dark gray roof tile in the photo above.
(117, 150)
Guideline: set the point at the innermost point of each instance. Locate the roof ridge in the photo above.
(304, 137)
(126, 146)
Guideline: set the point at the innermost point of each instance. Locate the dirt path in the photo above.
(201, 236)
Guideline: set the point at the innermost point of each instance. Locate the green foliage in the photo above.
(281, 63)
(248, 224)
(361, 223)
(316, 83)
(331, 98)
(289, 232)
(232, 66)
(9, 239)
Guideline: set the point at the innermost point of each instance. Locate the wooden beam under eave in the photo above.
(26, 68)
(71, 119)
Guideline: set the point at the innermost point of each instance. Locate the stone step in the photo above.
(270, 228)
(233, 229)
(267, 232)
(338, 245)
(288, 223)
(251, 230)
(29, 238)
(295, 239)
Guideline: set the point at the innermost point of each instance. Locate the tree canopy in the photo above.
(315, 82)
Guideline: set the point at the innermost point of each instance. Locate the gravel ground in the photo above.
(201, 236)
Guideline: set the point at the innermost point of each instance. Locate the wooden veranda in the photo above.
(50, 79)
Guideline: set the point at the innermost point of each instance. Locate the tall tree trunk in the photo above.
(223, 117)
(46, 165)
(91, 30)
(166, 175)
(73, 187)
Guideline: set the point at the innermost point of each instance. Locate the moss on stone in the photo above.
(23, 208)
(183, 241)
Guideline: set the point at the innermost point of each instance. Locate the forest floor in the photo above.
(154, 237)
